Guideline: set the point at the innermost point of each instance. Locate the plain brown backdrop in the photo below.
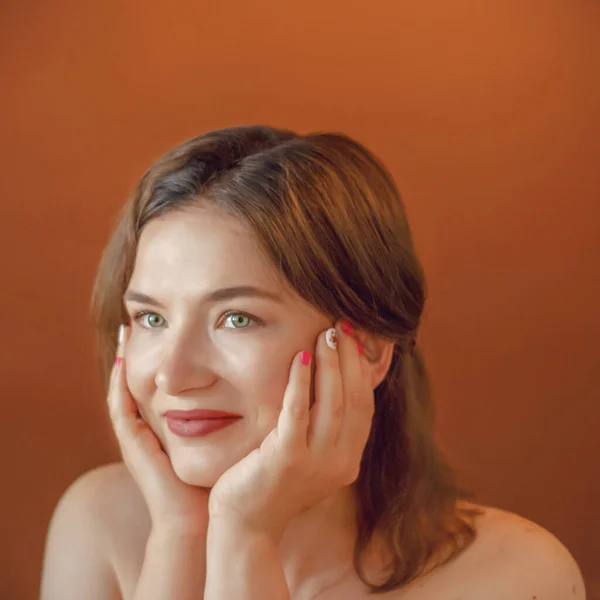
(487, 113)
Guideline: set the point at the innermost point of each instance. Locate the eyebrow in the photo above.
(212, 297)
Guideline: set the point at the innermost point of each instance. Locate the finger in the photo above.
(141, 449)
(113, 372)
(359, 403)
(137, 441)
(120, 402)
(328, 409)
(111, 396)
(293, 419)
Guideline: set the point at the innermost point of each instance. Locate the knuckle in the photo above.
(289, 466)
(338, 410)
(137, 441)
(298, 410)
(120, 427)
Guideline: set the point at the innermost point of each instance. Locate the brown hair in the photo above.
(329, 216)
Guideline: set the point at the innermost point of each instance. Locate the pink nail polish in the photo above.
(118, 361)
(347, 328)
(361, 348)
(305, 357)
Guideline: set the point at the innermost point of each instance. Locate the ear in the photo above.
(379, 353)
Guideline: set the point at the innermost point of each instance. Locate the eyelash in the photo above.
(142, 313)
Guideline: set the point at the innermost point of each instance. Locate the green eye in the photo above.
(155, 321)
(151, 320)
(238, 320)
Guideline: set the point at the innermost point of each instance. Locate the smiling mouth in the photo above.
(183, 427)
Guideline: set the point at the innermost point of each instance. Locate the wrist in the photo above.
(178, 529)
(233, 528)
(242, 562)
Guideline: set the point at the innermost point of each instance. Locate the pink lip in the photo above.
(198, 427)
(199, 413)
(198, 422)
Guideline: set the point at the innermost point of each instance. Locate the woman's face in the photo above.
(187, 354)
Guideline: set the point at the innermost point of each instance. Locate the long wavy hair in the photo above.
(329, 216)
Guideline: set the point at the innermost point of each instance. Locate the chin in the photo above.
(197, 468)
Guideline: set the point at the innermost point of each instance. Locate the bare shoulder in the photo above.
(110, 498)
(511, 556)
(112, 477)
(527, 556)
(114, 497)
(108, 492)
(101, 509)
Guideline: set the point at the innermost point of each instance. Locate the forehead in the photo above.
(201, 247)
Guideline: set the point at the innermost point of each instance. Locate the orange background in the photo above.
(487, 113)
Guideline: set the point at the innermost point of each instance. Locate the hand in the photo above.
(312, 452)
(172, 504)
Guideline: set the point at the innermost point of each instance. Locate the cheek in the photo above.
(261, 379)
(270, 380)
(140, 375)
(276, 374)
(140, 380)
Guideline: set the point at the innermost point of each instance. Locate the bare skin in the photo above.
(137, 533)
(510, 553)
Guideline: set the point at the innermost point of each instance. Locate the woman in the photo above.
(272, 276)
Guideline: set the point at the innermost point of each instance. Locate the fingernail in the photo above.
(305, 357)
(347, 328)
(121, 334)
(331, 338)
(361, 348)
(118, 361)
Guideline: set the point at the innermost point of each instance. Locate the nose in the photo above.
(184, 362)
